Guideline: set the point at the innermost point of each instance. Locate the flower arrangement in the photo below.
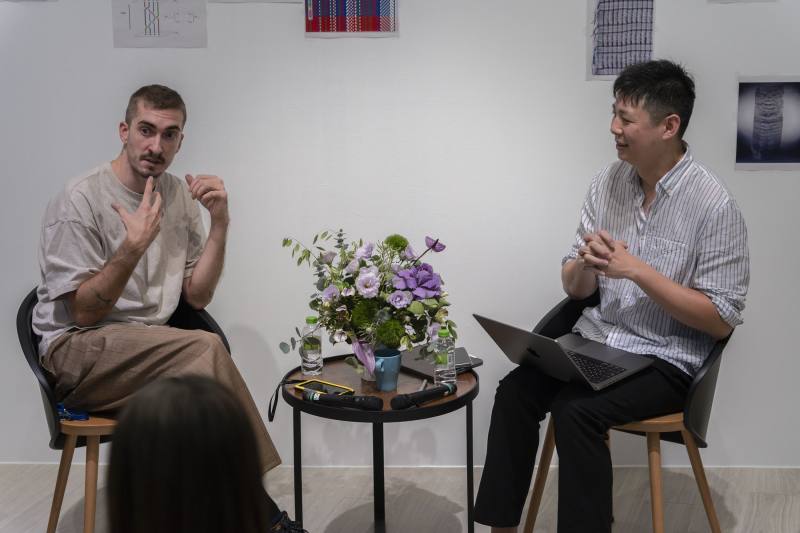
(373, 295)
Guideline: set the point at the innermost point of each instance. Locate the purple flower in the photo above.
(368, 282)
(365, 251)
(421, 280)
(351, 267)
(330, 293)
(410, 330)
(364, 353)
(434, 244)
(348, 291)
(433, 329)
(408, 253)
(400, 299)
(339, 336)
(327, 257)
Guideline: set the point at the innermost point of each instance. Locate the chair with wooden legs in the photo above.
(66, 435)
(688, 427)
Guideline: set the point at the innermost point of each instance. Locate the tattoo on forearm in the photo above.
(103, 302)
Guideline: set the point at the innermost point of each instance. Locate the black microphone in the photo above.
(367, 403)
(414, 399)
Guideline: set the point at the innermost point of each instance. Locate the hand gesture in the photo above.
(210, 191)
(142, 225)
(607, 256)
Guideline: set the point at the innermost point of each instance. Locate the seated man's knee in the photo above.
(515, 388)
(205, 341)
(575, 415)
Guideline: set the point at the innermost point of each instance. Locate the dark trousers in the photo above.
(581, 418)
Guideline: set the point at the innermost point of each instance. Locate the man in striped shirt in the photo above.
(665, 245)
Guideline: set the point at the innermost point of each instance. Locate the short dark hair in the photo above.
(184, 458)
(156, 97)
(663, 87)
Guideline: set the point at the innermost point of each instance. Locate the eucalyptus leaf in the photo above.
(287, 242)
(294, 343)
(316, 237)
(284, 347)
(430, 302)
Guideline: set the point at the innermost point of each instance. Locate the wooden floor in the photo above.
(419, 500)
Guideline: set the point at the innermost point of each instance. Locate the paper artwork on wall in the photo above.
(768, 127)
(159, 23)
(351, 18)
(621, 34)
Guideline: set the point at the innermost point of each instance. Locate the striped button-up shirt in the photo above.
(693, 233)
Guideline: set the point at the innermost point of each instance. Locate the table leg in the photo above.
(377, 476)
(470, 488)
(298, 469)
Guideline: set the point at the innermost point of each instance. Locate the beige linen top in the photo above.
(81, 232)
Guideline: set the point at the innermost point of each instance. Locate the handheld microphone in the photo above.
(414, 399)
(367, 403)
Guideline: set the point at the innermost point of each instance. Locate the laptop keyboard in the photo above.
(594, 370)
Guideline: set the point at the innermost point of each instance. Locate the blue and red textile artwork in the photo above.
(351, 16)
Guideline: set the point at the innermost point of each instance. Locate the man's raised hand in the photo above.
(142, 225)
(210, 191)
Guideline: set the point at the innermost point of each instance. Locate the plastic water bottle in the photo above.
(444, 359)
(311, 348)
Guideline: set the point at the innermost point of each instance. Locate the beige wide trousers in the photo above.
(98, 369)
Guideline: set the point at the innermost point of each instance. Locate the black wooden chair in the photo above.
(688, 427)
(66, 435)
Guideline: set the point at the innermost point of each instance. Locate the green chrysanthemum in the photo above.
(389, 333)
(396, 242)
(364, 313)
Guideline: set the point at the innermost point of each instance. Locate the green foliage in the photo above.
(417, 308)
(390, 333)
(396, 242)
(364, 313)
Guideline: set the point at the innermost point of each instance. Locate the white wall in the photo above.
(475, 125)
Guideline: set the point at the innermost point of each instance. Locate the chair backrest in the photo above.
(184, 317)
(697, 410)
(29, 341)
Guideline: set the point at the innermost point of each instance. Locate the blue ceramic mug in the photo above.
(387, 368)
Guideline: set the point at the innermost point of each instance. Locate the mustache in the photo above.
(153, 158)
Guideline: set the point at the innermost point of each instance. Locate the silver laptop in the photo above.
(567, 358)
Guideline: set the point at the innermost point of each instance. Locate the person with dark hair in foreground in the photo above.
(665, 245)
(185, 459)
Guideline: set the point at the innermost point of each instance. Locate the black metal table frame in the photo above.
(377, 419)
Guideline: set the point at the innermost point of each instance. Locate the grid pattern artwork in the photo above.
(622, 35)
(351, 16)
